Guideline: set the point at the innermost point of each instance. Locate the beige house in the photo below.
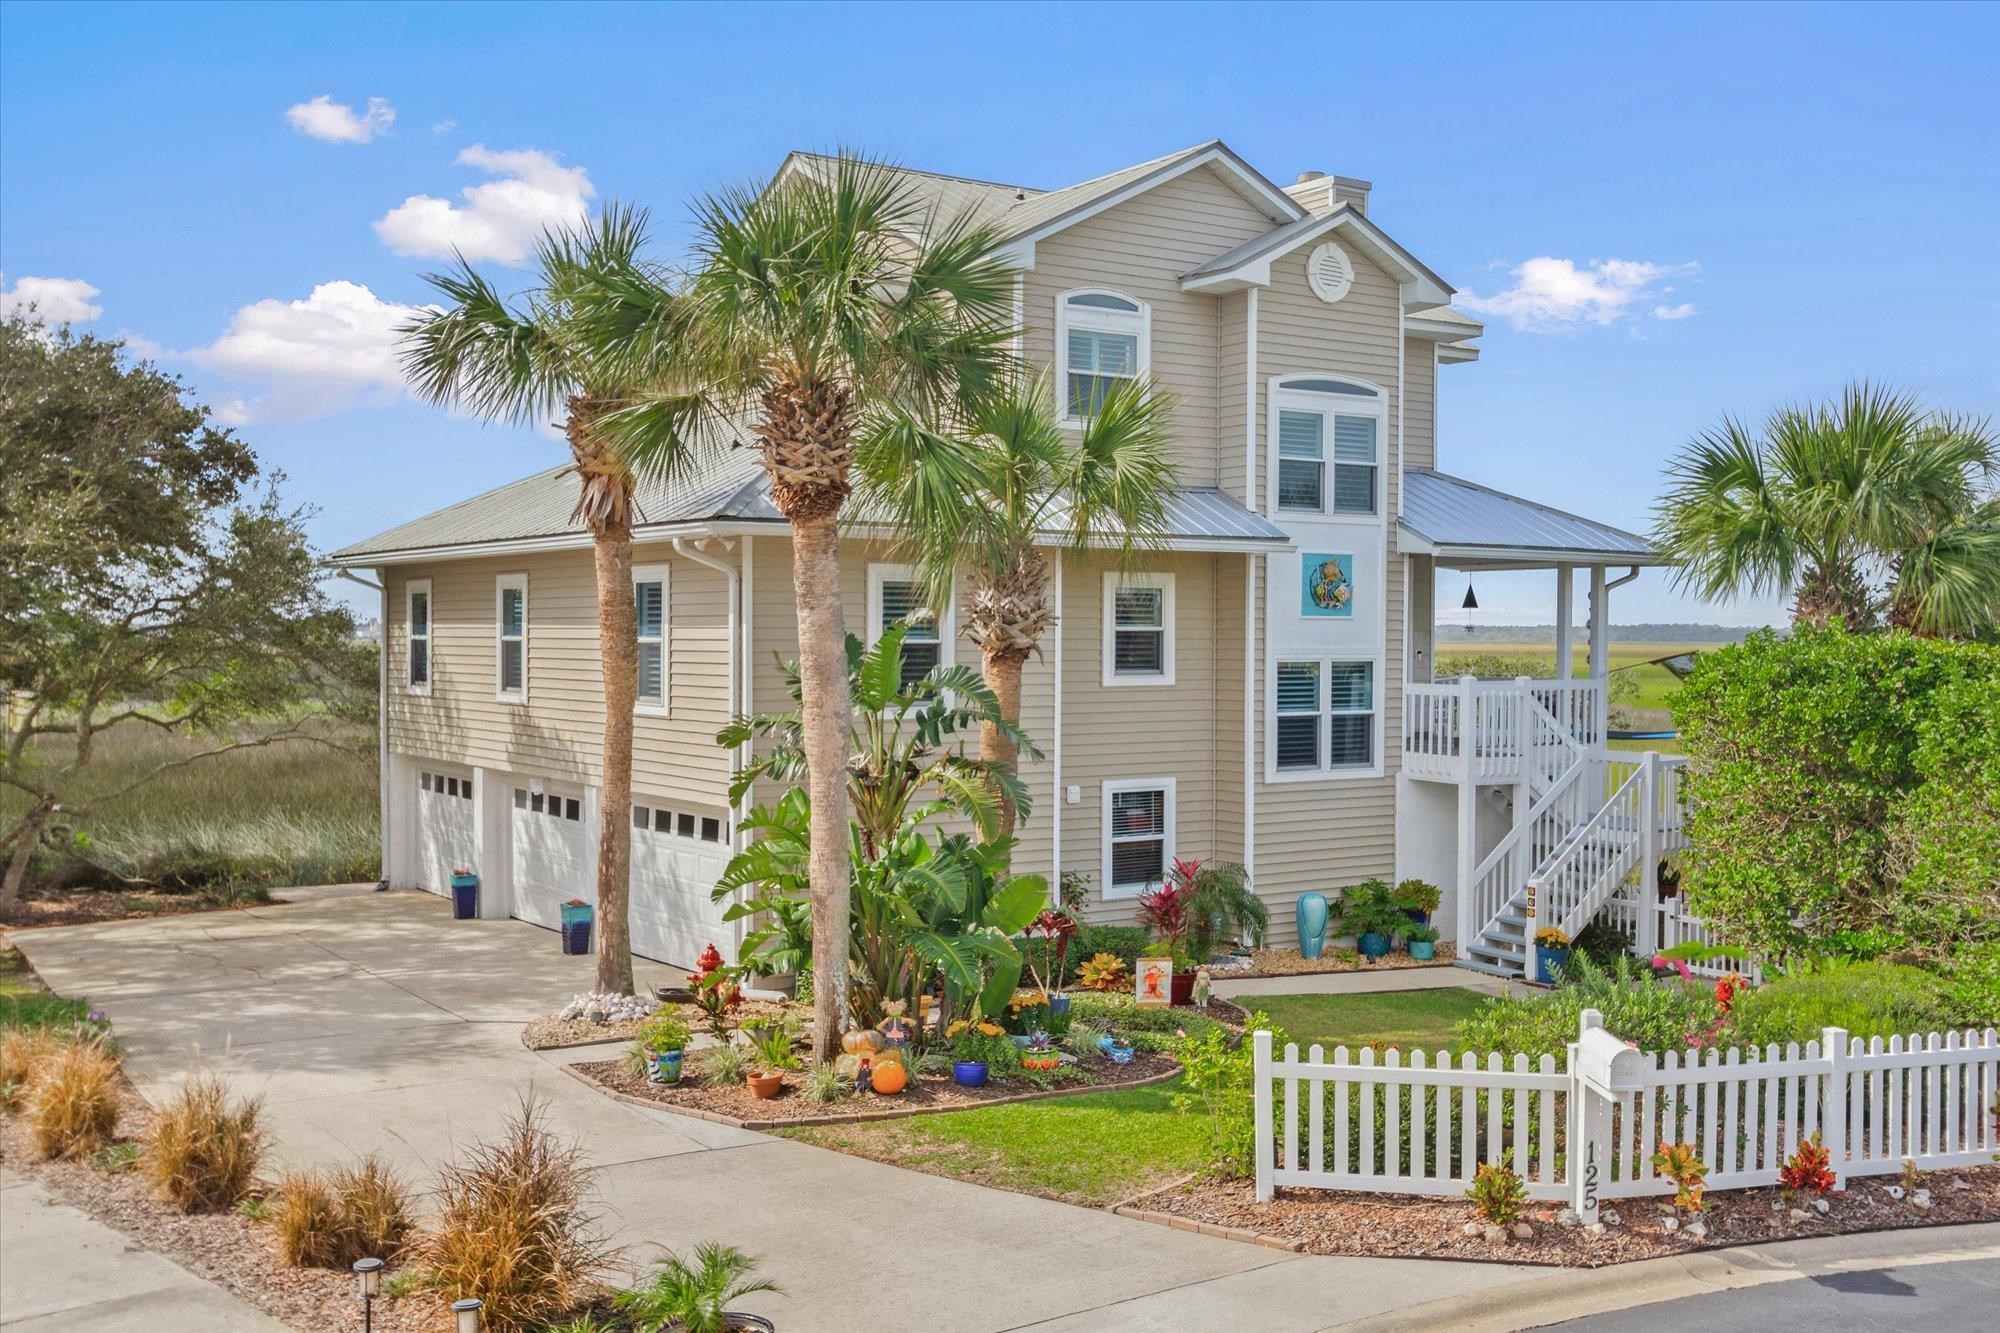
(1260, 692)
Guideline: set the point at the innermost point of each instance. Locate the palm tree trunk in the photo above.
(1002, 671)
(823, 684)
(618, 651)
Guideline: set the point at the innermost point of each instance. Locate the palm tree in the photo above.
(990, 503)
(694, 1297)
(819, 308)
(528, 360)
(1833, 497)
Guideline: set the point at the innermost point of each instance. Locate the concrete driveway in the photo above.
(377, 1023)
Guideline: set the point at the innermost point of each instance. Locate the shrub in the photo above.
(1104, 972)
(1944, 840)
(1498, 1193)
(73, 1100)
(724, 1066)
(1808, 1172)
(1868, 999)
(205, 1148)
(22, 1051)
(1124, 942)
(823, 1084)
(1218, 1077)
(1658, 1015)
(374, 1210)
(305, 1217)
(1971, 980)
(1150, 1027)
(663, 1032)
(513, 1227)
(1682, 1164)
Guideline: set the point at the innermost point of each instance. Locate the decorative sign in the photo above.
(1154, 981)
(1326, 584)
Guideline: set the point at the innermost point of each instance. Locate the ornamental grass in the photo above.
(205, 1147)
(72, 1103)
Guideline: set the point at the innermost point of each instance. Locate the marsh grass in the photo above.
(295, 813)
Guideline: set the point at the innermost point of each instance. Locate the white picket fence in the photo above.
(1423, 1125)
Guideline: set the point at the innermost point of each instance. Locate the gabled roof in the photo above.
(1249, 264)
(1468, 525)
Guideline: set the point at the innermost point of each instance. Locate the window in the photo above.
(1317, 417)
(649, 594)
(1324, 715)
(511, 592)
(655, 819)
(1138, 629)
(440, 785)
(1139, 836)
(417, 608)
(896, 597)
(1102, 340)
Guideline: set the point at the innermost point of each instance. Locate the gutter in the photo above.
(381, 714)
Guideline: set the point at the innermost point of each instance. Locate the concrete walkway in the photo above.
(375, 1022)
(60, 1268)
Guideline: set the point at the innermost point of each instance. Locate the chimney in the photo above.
(1322, 193)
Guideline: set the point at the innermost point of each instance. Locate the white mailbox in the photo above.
(1608, 1065)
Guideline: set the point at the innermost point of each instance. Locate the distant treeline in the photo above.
(1619, 633)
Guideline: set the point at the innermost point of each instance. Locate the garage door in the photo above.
(444, 828)
(678, 853)
(551, 851)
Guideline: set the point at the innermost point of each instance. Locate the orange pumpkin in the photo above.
(862, 1041)
(889, 1077)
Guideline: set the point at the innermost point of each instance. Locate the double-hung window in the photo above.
(1138, 836)
(1138, 629)
(511, 633)
(896, 597)
(1325, 715)
(649, 595)
(417, 609)
(1329, 445)
(1102, 340)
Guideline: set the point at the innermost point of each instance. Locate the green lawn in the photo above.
(26, 1003)
(1096, 1149)
(1406, 1019)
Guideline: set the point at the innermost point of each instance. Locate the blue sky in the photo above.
(1797, 195)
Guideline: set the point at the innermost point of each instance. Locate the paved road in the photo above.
(1943, 1296)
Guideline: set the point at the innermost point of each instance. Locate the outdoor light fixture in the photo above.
(467, 1312)
(368, 1274)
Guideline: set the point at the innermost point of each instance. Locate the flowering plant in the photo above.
(1548, 937)
(1165, 909)
(1726, 987)
(716, 993)
(1808, 1171)
(1057, 928)
(1680, 1163)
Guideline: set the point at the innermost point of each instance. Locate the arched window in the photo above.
(1328, 436)
(1103, 338)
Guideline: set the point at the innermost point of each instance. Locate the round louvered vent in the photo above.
(1330, 272)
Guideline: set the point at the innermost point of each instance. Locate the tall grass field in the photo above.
(1640, 694)
(290, 813)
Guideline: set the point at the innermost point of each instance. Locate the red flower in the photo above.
(1726, 988)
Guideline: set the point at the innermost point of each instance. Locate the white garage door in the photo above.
(678, 853)
(444, 828)
(551, 850)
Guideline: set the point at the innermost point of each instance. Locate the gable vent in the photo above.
(1330, 272)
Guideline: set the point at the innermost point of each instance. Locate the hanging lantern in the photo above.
(1470, 603)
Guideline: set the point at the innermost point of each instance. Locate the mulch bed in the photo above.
(85, 906)
(1410, 1226)
(734, 1105)
(551, 1033)
(1292, 963)
(229, 1249)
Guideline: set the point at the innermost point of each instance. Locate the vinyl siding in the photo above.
(558, 733)
(1232, 335)
(1420, 405)
(1141, 248)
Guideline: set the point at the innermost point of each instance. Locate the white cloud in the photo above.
(51, 300)
(335, 122)
(1550, 295)
(334, 350)
(500, 219)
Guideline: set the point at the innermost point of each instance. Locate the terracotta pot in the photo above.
(1183, 988)
(764, 1085)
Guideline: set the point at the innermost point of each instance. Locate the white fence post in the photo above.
(1587, 1125)
(1646, 933)
(1260, 1049)
(1833, 1044)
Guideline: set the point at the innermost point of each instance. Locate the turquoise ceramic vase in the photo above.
(1312, 917)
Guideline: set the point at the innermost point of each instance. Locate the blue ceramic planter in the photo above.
(667, 1066)
(1058, 1006)
(969, 1073)
(1372, 945)
(1423, 950)
(576, 922)
(464, 897)
(1549, 964)
(1311, 913)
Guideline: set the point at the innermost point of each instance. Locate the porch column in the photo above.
(1600, 624)
(1565, 595)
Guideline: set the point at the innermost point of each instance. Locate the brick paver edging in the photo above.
(1215, 1229)
(856, 1118)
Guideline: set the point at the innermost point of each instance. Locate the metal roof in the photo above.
(1461, 520)
(734, 491)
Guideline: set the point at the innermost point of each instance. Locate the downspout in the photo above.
(383, 813)
(1250, 440)
(730, 573)
(1055, 745)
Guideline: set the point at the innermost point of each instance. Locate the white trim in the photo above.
(661, 575)
(1330, 405)
(946, 623)
(1114, 580)
(429, 636)
(1331, 292)
(1418, 288)
(1402, 412)
(1138, 322)
(1250, 718)
(1377, 696)
(501, 584)
(1108, 890)
(1056, 742)
(1250, 405)
(1245, 181)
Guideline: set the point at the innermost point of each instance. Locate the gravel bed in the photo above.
(1292, 963)
(926, 1092)
(1410, 1226)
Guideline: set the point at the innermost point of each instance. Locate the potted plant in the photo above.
(1055, 928)
(1669, 877)
(976, 1046)
(1419, 898)
(1370, 912)
(1422, 941)
(464, 894)
(694, 1297)
(1120, 1050)
(664, 1039)
(577, 916)
(1040, 1054)
(1220, 904)
(771, 1043)
(1551, 954)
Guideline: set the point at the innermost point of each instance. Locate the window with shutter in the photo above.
(418, 616)
(1323, 715)
(1301, 459)
(1138, 846)
(1311, 413)
(1138, 629)
(899, 600)
(1101, 342)
(649, 596)
(1298, 715)
(512, 593)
